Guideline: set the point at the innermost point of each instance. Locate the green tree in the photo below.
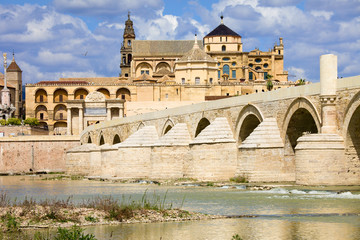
(301, 82)
(14, 121)
(269, 83)
(32, 121)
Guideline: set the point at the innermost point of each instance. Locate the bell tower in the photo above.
(126, 47)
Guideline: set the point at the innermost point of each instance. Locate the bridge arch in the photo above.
(101, 139)
(116, 139)
(141, 125)
(249, 118)
(301, 116)
(351, 125)
(89, 140)
(202, 124)
(169, 124)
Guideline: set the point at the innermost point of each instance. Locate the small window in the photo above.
(256, 90)
(129, 43)
(147, 72)
(218, 74)
(258, 60)
(61, 116)
(166, 95)
(266, 65)
(225, 39)
(218, 64)
(279, 52)
(234, 64)
(41, 98)
(220, 39)
(126, 74)
(81, 96)
(61, 98)
(226, 58)
(197, 80)
(263, 90)
(142, 72)
(223, 48)
(227, 94)
(177, 91)
(183, 81)
(211, 80)
(233, 73)
(226, 70)
(123, 96)
(41, 116)
(251, 65)
(265, 75)
(258, 68)
(250, 76)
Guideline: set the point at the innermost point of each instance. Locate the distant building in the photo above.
(159, 74)
(14, 84)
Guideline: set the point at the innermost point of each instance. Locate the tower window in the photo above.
(41, 98)
(258, 60)
(123, 96)
(211, 80)
(183, 81)
(81, 96)
(41, 116)
(197, 80)
(220, 39)
(61, 98)
(223, 48)
(61, 116)
(129, 43)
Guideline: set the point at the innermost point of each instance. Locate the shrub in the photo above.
(2, 122)
(236, 237)
(12, 224)
(239, 179)
(14, 121)
(75, 233)
(32, 121)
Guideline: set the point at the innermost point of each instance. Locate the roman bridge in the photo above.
(307, 134)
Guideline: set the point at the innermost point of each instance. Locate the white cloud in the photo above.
(325, 14)
(296, 73)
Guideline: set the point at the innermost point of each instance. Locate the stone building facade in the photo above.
(160, 74)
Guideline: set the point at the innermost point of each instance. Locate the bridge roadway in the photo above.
(306, 134)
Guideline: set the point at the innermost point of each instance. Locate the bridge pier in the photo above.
(320, 158)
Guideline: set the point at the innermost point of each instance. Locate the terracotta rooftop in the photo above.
(9, 85)
(162, 47)
(13, 67)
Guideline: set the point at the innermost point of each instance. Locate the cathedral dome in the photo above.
(222, 30)
(197, 54)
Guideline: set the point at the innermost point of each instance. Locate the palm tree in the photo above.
(269, 84)
(300, 82)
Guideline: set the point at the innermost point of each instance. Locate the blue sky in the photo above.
(50, 37)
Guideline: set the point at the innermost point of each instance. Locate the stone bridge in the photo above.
(306, 134)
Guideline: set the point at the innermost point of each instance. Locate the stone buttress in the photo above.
(84, 160)
(170, 155)
(213, 153)
(261, 155)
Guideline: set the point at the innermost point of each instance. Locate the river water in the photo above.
(285, 212)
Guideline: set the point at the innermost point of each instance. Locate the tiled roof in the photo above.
(62, 82)
(9, 85)
(222, 30)
(162, 47)
(13, 67)
(196, 54)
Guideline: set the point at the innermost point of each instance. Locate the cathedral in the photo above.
(155, 75)
(221, 49)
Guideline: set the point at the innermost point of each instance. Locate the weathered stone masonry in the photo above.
(308, 134)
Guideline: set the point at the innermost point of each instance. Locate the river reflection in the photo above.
(281, 213)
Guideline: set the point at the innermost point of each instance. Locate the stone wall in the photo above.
(35, 153)
(10, 131)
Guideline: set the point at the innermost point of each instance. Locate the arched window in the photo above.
(129, 43)
(223, 48)
(197, 80)
(226, 69)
